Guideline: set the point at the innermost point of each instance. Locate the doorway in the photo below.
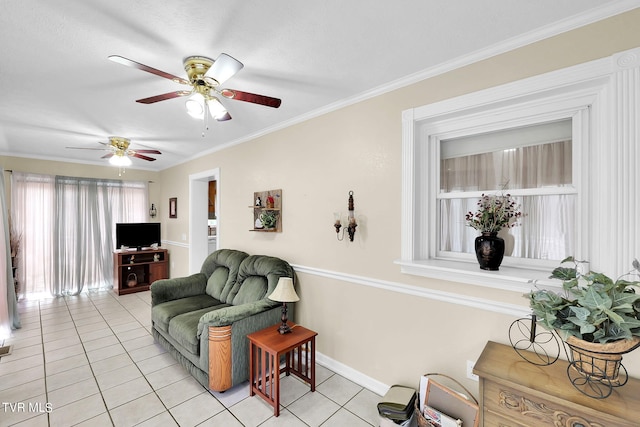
(199, 216)
(212, 221)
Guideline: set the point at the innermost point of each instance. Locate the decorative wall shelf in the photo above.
(267, 202)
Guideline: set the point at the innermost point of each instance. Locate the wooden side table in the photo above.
(266, 347)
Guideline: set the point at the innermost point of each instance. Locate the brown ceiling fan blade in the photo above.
(148, 151)
(107, 156)
(226, 116)
(163, 97)
(129, 63)
(224, 67)
(143, 157)
(251, 97)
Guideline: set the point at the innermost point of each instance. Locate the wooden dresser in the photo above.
(514, 393)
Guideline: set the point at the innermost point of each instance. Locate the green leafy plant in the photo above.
(594, 308)
(269, 219)
(495, 212)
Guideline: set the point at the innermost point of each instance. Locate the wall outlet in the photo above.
(470, 373)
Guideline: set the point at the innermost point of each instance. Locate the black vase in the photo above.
(489, 251)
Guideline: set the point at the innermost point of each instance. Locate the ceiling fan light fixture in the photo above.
(195, 106)
(120, 160)
(216, 109)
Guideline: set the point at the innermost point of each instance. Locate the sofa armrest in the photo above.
(228, 315)
(164, 290)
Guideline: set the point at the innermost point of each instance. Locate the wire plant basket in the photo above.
(594, 369)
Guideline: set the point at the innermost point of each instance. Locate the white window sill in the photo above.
(516, 279)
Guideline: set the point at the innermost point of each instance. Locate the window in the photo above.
(67, 226)
(531, 163)
(584, 194)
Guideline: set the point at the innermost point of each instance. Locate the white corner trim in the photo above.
(351, 374)
(517, 311)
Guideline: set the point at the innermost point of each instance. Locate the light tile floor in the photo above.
(90, 360)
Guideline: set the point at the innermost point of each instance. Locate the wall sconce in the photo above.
(351, 218)
(153, 211)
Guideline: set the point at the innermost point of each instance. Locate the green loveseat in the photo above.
(203, 320)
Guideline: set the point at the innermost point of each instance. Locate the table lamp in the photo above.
(284, 293)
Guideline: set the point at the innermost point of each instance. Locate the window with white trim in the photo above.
(600, 98)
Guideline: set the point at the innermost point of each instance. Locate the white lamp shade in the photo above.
(117, 160)
(216, 109)
(195, 106)
(284, 291)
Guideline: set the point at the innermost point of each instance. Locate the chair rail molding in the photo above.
(607, 91)
(418, 291)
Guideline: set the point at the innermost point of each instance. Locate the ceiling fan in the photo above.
(120, 154)
(205, 76)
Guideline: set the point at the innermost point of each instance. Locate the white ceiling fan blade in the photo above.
(224, 67)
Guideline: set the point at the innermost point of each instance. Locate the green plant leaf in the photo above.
(614, 333)
(563, 273)
(615, 317)
(631, 322)
(595, 301)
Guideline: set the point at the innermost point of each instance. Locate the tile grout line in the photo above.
(44, 360)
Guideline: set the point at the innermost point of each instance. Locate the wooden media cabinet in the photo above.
(135, 271)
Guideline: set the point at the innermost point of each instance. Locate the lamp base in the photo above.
(284, 328)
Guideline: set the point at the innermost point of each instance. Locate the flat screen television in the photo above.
(137, 234)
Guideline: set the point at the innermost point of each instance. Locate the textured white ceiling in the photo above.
(58, 89)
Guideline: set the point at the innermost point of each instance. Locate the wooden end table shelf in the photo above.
(266, 347)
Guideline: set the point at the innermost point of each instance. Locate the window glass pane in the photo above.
(537, 158)
(507, 160)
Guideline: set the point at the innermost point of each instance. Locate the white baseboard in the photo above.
(351, 374)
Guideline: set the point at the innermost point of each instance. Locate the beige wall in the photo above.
(389, 336)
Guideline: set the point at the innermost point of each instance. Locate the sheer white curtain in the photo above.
(9, 317)
(68, 229)
(547, 229)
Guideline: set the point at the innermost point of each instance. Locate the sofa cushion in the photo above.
(184, 328)
(253, 288)
(162, 314)
(221, 268)
(217, 282)
(257, 278)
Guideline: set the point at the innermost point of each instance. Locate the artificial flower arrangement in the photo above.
(495, 212)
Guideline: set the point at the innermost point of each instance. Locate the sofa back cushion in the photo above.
(257, 278)
(221, 269)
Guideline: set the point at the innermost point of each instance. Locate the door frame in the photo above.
(198, 217)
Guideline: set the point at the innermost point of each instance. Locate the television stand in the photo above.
(135, 271)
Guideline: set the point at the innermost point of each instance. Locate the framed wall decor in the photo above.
(173, 207)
